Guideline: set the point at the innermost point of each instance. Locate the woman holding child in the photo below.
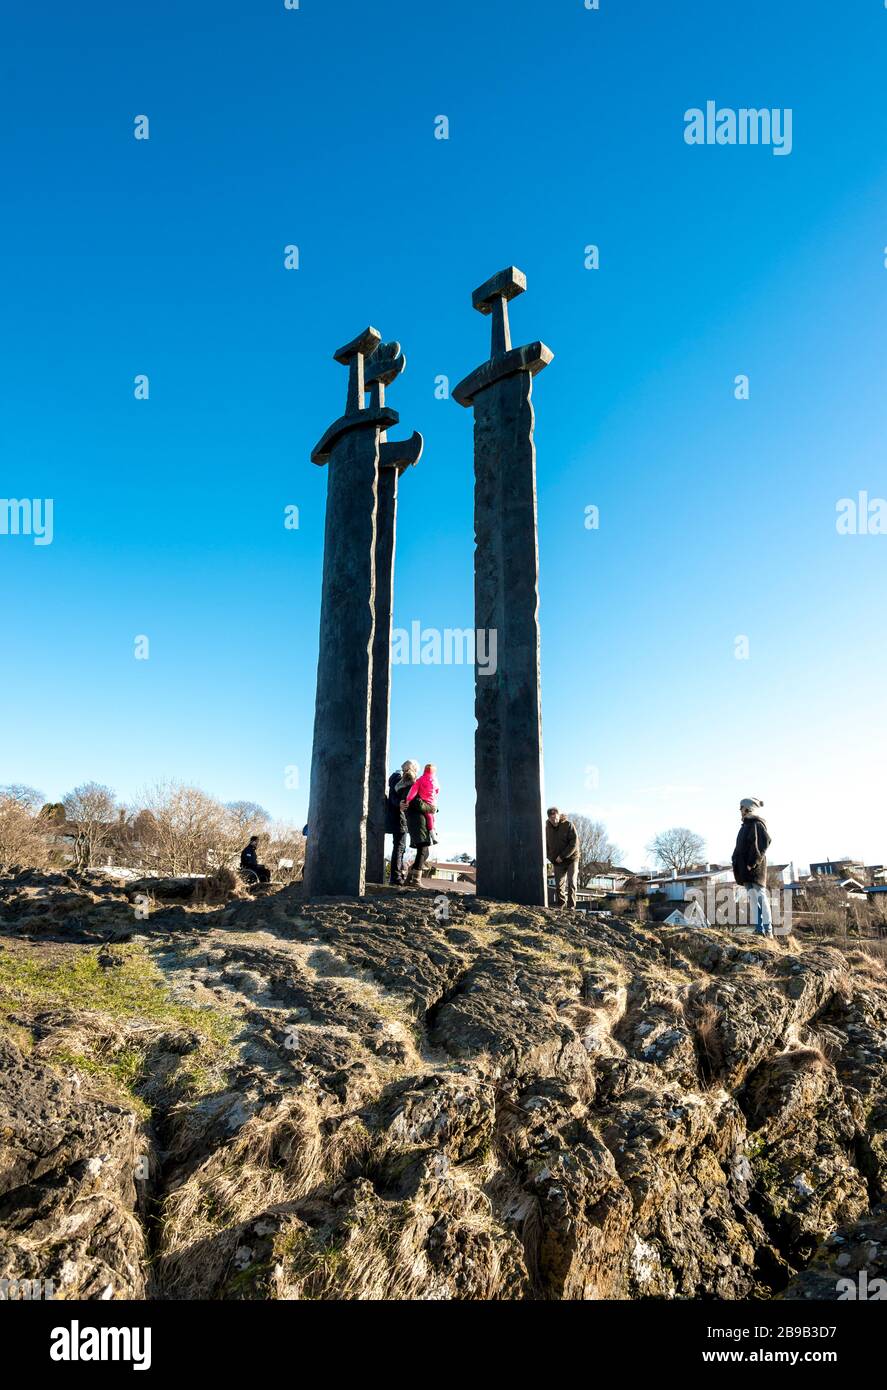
(421, 808)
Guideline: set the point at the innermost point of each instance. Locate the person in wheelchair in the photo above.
(249, 863)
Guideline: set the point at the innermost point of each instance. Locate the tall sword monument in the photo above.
(335, 859)
(382, 368)
(509, 815)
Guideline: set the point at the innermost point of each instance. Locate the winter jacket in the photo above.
(395, 820)
(249, 858)
(750, 854)
(416, 823)
(561, 841)
(426, 788)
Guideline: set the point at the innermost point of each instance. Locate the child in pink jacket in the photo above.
(427, 789)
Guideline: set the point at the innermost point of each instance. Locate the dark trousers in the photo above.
(398, 845)
(418, 864)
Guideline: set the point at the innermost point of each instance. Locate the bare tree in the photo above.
(678, 848)
(188, 832)
(242, 820)
(249, 816)
(595, 846)
(27, 797)
(91, 811)
(285, 843)
(22, 842)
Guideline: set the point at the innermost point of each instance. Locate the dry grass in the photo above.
(278, 1157)
(707, 1029)
(378, 1254)
(875, 951)
(220, 887)
(381, 1252)
(339, 1238)
(803, 1059)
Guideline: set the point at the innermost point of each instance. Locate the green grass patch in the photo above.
(134, 988)
(121, 1072)
(312, 1258)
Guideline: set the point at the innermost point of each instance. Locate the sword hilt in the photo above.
(353, 356)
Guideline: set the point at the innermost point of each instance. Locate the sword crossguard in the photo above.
(353, 356)
(401, 453)
(492, 298)
(372, 365)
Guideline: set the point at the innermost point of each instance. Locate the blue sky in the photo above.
(315, 127)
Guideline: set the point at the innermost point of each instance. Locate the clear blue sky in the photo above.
(717, 516)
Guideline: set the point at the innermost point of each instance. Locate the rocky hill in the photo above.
(359, 1099)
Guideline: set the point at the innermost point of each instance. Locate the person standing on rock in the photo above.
(427, 789)
(750, 863)
(562, 848)
(420, 835)
(399, 784)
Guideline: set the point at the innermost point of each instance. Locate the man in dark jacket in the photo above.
(399, 784)
(562, 848)
(750, 863)
(249, 860)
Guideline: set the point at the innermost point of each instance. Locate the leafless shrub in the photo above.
(22, 842)
(184, 831)
(219, 887)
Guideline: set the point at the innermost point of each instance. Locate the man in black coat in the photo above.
(249, 860)
(399, 784)
(750, 863)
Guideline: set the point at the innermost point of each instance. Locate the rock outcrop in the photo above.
(408, 1096)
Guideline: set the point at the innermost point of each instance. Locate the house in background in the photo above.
(459, 877)
(675, 886)
(606, 878)
(687, 915)
(839, 869)
(677, 898)
(785, 878)
(583, 895)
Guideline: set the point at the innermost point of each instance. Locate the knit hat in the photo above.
(750, 803)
